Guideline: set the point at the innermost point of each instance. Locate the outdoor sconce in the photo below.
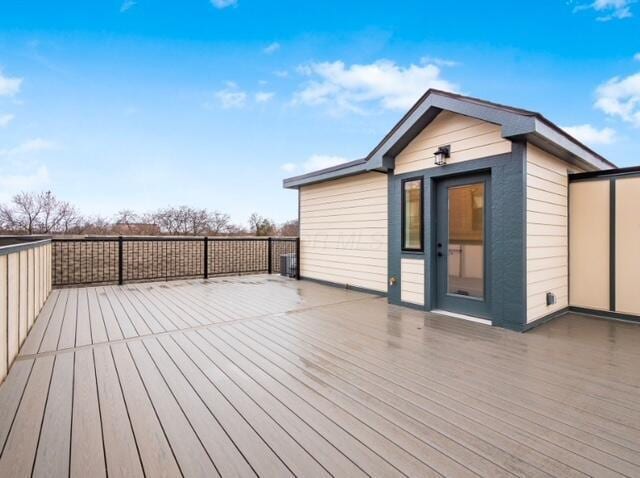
(442, 154)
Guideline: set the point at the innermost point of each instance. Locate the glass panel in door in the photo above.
(465, 274)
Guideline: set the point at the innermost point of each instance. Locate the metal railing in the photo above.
(101, 260)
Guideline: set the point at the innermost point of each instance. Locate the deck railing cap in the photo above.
(22, 246)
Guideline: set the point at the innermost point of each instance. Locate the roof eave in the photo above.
(336, 172)
(516, 125)
(571, 147)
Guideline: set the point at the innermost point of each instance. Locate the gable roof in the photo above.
(517, 125)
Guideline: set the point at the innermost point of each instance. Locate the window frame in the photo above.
(403, 192)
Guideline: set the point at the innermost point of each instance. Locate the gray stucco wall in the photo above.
(507, 286)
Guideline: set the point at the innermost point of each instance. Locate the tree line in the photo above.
(44, 213)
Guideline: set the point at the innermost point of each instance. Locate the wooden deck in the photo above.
(265, 376)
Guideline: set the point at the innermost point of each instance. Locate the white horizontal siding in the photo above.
(343, 231)
(547, 232)
(412, 281)
(469, 138)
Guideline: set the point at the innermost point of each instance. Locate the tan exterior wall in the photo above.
(547, 232)
(343, 231)
(589, 244)
(469, 138)
(25, 284)
(628, 245)
(412, 281)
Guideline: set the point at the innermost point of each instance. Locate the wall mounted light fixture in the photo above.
(442, 154)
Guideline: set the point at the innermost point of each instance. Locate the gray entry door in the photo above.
(463, 245)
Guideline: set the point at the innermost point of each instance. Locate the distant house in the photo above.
(480, 211)
(136, 228)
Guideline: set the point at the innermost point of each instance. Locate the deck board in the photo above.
(87, 451)
(21, 445)
(155, 452)
(120, 445)
(263, 376)
(500, 422)
(53, 453)
(193, 458)
(476, 377)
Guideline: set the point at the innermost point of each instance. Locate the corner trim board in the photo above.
(612, 244)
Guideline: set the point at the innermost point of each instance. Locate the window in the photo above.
(412, 215)
(465, 263)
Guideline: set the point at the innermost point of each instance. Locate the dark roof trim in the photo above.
(608, 173)
(517, 125)
(346, 169)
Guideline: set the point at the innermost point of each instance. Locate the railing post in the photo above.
(120, 254)
(206, 257)
(269, 266)
(297, 258)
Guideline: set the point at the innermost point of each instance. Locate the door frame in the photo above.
(442, 300)
(508, 233)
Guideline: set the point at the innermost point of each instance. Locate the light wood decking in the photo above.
(271, 377)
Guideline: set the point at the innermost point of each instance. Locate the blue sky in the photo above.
(143, 104)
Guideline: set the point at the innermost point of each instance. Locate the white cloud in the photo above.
(6, 119)
(224, 3)
(351, 88)
(281, 73)
(271, 48)
(608, 9)
(35, 145)
(9, 86)
(314, 163)
(591, 135)
(11, 184)
(127, 4)
(620, 98)
(439, 61)
(636, 57)
(231, 96)
(289, 167)
(264, 96)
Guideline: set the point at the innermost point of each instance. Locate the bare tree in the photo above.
(219, 223)
(69, 218)
(289, 228)
(261, 226)
(94, 225)
(237, 230)
(182, 220)
(43, 213)
(39, 213)
(55, 215)
(26, 210)
(126, 216)
(7, 219)
(197, 220)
